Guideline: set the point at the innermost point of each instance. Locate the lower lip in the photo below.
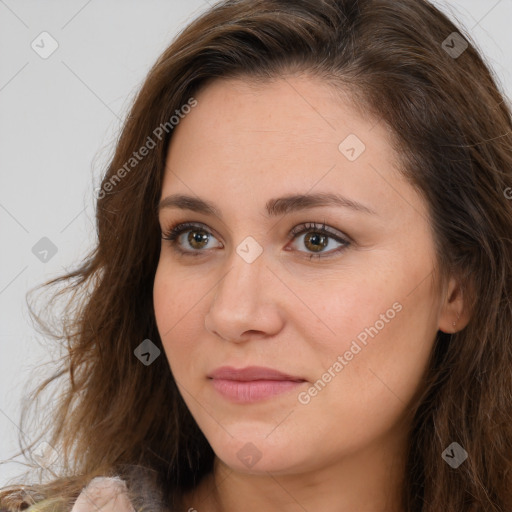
(252, 391)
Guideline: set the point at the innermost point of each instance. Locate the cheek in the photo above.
(344, 309)
(375, 363)
(179, 312)
(165, 301)
(171, 298)
(381, 325)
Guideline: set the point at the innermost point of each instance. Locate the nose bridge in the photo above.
(239, 287)
(240, 302)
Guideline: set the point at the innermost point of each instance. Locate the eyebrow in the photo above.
(274, 207)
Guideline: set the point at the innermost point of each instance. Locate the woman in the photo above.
(301, 294)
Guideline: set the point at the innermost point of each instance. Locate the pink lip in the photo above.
(252, 383)
(251, 373)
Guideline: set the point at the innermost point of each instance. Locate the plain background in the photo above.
(59, 118)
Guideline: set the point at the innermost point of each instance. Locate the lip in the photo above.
(251, 373)
(253, 383)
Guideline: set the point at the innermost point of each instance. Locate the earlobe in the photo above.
(454, 315)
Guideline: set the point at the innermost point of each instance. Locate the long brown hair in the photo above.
(451, 128)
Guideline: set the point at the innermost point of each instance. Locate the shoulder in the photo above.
(104, 494)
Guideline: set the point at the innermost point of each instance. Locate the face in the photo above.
(338, 297)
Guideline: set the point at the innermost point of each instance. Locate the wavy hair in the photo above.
(450, 124)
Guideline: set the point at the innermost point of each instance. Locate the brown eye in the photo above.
(317, 239)
(316, 242)
(196, 240)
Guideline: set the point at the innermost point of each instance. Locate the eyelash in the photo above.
(174, 232)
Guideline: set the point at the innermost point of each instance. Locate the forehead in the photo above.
(283, 119)
(299, 107)
(245, 139)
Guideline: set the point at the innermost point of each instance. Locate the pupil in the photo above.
(317, 238)
(197, 237)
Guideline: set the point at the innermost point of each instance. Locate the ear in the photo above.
(454, 312)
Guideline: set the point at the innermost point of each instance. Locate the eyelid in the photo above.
(312, 226)
(298, 229)
(172, 234)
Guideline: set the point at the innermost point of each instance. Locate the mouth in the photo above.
(252, 373)
(252, 383)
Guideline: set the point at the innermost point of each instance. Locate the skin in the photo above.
(243, 144)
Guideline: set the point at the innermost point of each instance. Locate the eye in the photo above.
(317, 239)
(198, 236)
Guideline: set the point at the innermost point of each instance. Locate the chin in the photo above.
(253, 452)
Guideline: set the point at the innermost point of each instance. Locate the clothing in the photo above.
(104, 494)
(109, 494)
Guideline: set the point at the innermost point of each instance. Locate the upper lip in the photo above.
(251, 373)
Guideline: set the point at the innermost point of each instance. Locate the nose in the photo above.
(245, 304)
